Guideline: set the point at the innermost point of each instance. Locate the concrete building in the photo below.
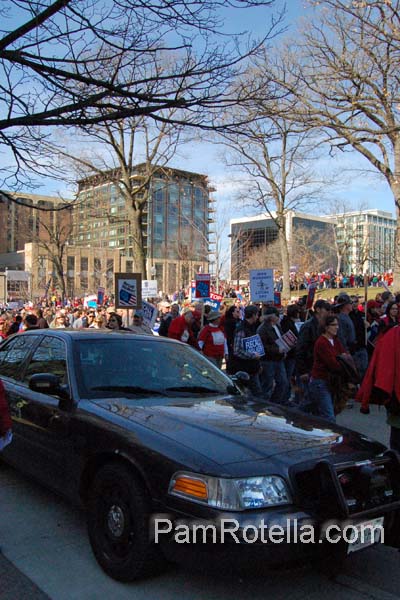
(247, 234)
(176, 223)
(365, 240)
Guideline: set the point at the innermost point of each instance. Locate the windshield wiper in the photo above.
(196, 389)
(130, 389)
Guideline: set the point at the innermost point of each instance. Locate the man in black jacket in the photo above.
(274, 381)
(243, 360)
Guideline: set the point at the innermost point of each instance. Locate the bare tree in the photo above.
(274, 157)
(118, 144)
(346, 70)
(54, 243)
(311, 249)
(81, 62)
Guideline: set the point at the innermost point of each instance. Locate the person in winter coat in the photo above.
(181, 328)
(381, 384)
(274, 381)
(326, 349)
(212, 341)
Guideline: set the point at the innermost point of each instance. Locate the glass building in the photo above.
(176, 222)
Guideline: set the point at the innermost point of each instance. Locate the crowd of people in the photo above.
(309, 360)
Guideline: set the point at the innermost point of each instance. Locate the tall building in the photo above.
(176, 222)
(367, 240)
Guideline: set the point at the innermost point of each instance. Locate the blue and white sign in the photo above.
(262, 285)
(253, 345)
(149, 313)
(215, 304)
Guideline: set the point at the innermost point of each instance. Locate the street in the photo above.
(46, 553)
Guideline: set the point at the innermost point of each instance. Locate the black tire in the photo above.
(118, 525)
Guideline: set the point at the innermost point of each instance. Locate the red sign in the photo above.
(217, 297)
(277, 299)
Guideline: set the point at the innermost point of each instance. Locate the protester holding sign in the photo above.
(274, 381)
(247, 360)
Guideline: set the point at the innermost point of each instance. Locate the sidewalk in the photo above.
(14, 584)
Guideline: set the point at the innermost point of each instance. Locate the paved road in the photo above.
(46, 554)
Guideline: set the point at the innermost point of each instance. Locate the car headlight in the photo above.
(231, 494)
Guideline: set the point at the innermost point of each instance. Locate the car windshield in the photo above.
(137, 368)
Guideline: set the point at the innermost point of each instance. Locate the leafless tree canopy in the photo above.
(347, 73)
(82, 62)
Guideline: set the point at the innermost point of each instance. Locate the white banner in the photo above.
(262, 285)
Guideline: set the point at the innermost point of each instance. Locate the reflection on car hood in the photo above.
(227, 431)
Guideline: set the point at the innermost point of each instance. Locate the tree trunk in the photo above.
(139, 255)
(285, 263)
(338, 262)
(395, 187)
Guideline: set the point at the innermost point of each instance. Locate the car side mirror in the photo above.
(241, 377)
(48, 383)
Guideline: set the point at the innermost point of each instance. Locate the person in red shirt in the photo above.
(181, 328)
(326, 349)
(212, 340)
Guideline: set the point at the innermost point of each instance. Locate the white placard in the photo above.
(149, 288)
(262, 285)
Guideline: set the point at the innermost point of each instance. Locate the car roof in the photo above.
(77, 334)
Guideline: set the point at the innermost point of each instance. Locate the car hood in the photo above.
(228, 431)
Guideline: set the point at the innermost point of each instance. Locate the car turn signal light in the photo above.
(187, 486)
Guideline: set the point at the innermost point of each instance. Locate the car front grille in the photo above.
(350, 488)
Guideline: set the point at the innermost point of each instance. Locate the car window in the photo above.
(154, 365)
(49, 357)
(13, 354)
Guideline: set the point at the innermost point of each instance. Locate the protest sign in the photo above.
(149, 288)
(253, 345)
(262, 285)
(100, 295)
(128, 290)
(312, 288)
(203, 282)
(149, 313)
(277, 299)
(287, 341)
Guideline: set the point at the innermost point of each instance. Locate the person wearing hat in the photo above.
(165, 318)
(242, 360)
(308, 335)
(274, 381)
(139, 326)
(347, 333)
(212, 341)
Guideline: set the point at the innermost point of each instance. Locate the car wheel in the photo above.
(118, 525)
